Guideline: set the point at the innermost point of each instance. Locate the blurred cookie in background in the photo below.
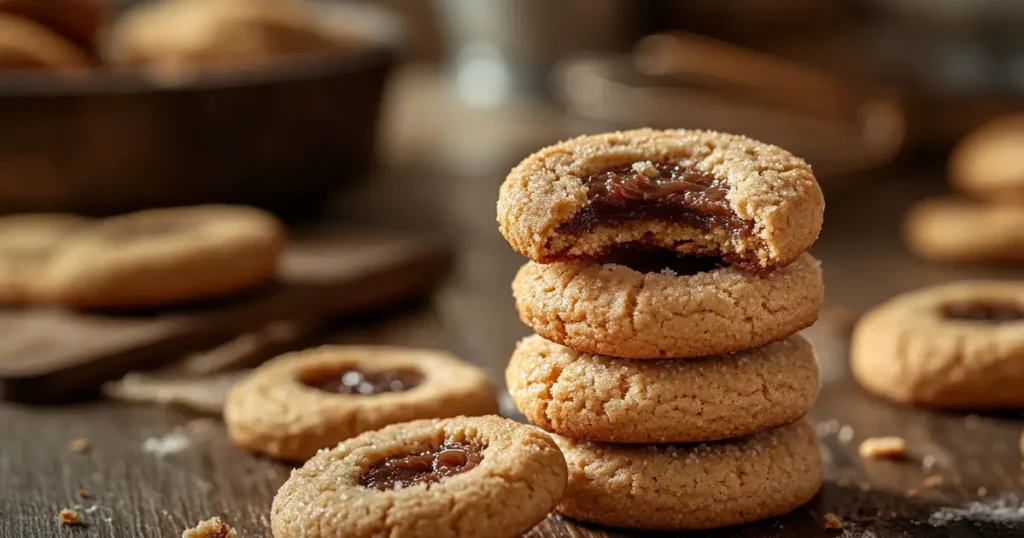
(176, 36)
(26, 45)
(962, 230)
(78, 21)
(989, 162)
(27, 243)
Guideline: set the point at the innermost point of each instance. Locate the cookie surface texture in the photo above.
(302, 402)
(697, 192)
(987, 162)
(959, 345)
(683, 487)
(484, 477)
(961, 230)
(606, 399)
(28, 45)
(611, 309)
(163, 257)
(28, 242)
(79, 21)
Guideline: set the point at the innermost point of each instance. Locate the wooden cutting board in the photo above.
(50, 354)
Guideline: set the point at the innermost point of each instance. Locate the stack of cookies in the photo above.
(667, 284)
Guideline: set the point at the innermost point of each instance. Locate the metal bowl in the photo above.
(280, 135)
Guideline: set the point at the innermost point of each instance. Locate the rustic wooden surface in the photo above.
(142, 495)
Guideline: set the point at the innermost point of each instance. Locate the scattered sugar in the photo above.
(1007, 509)
(171, 443)
(845, 434)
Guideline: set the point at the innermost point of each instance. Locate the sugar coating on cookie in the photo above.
(606, 399)
(483, 477)
(959, 345)
(685, 487)
(296, 404)
(962, 230)
(612, 309)
(987, 163)
(162, 257)
(696, 192)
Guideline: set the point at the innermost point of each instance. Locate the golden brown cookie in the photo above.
(959, 345)
(684, 487)
(79, 21)
(987, 163)
(961, 230)
(605, 399)
(666, 307)
(28, 45)
(301, 402)
(178, 36)
(163, 257)
(696, 192)
(484, 477)
(27, 244)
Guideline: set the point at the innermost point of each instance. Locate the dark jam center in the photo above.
(358, 382)
(667, 192)
(424, 468)
(989, 312)
(655, 261)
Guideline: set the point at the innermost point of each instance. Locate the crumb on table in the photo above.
(211, 528)
(883, 447)
(833, 521)
(68, 516)
(83, 494)
(80, 445)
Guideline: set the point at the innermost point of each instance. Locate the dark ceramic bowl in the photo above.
(281, 135)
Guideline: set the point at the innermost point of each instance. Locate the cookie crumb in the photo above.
(68, 516)
(932, 482)
(171, 443)
(928, 462)
(883, 448)
(80, 445)
(833, 521)
(982, 491)
(83, 494)
(646, 168)
(211, 528)
(845, 434)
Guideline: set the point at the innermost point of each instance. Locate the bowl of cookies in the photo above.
(110, 108)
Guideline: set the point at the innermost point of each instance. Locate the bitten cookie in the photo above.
(666, 307)
(28, 45)
(987, 162)
(684, 487)
(696, 192)
(162, 257)
(484, 477)
(27, 244)
(301, 402)
(597, 398)
(960, 230)
(79, 21)
(959, 345)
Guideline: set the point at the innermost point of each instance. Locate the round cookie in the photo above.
(28, 45)
(301, 402)
(960, 230)
(605, 399)
(484, 477)
(163, 257)
(27, 244)
(612, 309)
(697, 192)
(78, 21)
(686, 487)
(987, 162)
(959, 345)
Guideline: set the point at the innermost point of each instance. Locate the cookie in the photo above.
(597, 398)
(164, 257)
(78, 21)
(27, 244)
(26, 45)
(959, 345)
(695, 192)
(987, 162)
(684, 487)
(960, 230)
(301, 402)
(663, 306)
(485, 477)
(179, 35)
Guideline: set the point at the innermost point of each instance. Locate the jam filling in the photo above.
(360, 383)
(666, 192)
(655, 261)
(424, 468)
(987, 312)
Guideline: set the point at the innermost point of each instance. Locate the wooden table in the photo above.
(451, 185)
